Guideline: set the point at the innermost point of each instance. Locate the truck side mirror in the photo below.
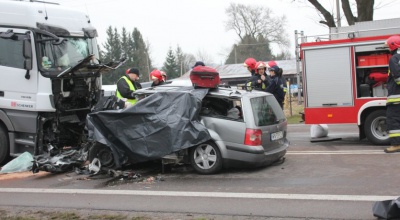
(27, 52)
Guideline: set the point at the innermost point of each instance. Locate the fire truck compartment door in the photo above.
(328, 77)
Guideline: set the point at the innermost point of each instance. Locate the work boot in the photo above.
(393, 149)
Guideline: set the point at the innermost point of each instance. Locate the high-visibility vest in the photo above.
(131, 87)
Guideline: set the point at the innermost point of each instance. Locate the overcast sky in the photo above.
(199, 25)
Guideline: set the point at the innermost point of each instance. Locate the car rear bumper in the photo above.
(254, 159)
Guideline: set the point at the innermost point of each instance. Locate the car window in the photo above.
(225, 108)
(266, 110)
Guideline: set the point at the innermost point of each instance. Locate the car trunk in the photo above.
(270, 119)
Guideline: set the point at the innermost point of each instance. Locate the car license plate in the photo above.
(276, 136)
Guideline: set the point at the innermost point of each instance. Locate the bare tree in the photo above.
(365, 11)
(202, 55)
(253, 21)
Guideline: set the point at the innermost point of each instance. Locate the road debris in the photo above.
(20, 164)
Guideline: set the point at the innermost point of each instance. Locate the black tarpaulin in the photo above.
(387, 209)
(160, 124)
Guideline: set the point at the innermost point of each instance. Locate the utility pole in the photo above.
(338, 13)
(235, 54)
(148, 62)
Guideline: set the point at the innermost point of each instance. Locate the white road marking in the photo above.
(364, 198)
(339, 152)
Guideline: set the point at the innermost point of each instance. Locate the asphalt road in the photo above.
(323, 180)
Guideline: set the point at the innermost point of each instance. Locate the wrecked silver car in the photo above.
(210, 129)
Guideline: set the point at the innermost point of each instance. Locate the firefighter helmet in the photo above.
(261, 65)
(250, 62)
(393, 42)
(156, 74)
(271, 63)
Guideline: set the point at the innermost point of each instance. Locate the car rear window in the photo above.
(266, 110)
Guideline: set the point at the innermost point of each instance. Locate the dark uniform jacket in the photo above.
(256, 85)
(159, 84)
(276, 88)
(124, 89)
(393, 100)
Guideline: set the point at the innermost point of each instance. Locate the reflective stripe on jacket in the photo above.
(394, 133)
(131, 87)
(393, 99)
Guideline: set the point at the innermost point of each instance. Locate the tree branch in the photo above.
(348, 13)
(329, 21)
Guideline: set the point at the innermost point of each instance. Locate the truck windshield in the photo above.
(57, 57)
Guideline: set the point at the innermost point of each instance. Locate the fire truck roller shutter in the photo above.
(328, 75)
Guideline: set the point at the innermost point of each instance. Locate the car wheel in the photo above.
(4, 146)
(103, 154)
(206, 158)
(375, 128)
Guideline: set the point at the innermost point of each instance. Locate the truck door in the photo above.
(18, 78)
(328, 77)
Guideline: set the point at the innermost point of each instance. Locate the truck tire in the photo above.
(4, 146)
(375, 128)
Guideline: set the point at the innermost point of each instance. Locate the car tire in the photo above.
(375, 128)
(103, 153)
(206, 158)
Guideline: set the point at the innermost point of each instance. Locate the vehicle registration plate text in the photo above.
(276, 136)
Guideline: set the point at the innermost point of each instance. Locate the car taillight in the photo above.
(253, 137)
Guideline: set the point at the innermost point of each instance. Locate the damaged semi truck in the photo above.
(49, 77)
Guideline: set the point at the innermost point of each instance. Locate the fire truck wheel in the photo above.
(375, 128)
(4, 153)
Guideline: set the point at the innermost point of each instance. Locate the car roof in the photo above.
(175, 85)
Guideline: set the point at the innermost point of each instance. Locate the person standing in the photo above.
(164, 76)
(393, 98)
(127, 85)
(198, 63)
(157, 78)
(275, 85)
(250, 64)
(259, 81)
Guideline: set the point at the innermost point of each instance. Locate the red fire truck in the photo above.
(344, 76)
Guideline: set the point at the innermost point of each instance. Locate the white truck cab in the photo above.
(49, 76)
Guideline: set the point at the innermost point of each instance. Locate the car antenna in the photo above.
(87, 12)
(45, 11)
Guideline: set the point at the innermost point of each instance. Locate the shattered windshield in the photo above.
(57, 57)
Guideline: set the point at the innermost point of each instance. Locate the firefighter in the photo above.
(128, 84)
(250, 64)
(164, 76)
(393, 99)
(259, 81)
(280, 75)
(283, 80)
(275, 85)
(157, 78)
(198, 63)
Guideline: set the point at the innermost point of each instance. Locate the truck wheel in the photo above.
(103, 153)
(4, 146)
(375, 128)
(206, 158)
